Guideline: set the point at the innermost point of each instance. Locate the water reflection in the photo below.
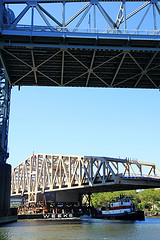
(4, 233)
(81, 229)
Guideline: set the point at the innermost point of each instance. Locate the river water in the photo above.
(81, 229)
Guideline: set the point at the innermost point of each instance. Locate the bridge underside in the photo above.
(80, 60)
(123, 185)
(73, 195)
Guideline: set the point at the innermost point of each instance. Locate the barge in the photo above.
(51, 211)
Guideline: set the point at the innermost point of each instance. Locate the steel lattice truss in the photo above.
(43, 173)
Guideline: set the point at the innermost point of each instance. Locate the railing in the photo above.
(156, 176)
(37, 28)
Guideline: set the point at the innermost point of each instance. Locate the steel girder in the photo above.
(46, 173)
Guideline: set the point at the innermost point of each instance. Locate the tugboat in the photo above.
(122, 208)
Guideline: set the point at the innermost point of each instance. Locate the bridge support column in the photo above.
(5, 187)
(5, 92)
(5, 169)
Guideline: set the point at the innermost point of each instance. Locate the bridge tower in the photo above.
(5, 169)
(5, 93)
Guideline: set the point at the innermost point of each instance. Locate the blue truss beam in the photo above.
(119, 25)
(80, 35)
(5, 92)
(61, 1)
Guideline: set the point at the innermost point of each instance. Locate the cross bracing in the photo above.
(82, 67)
(45, 173)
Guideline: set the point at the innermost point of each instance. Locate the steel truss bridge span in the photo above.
(48, 173)
(90, 46)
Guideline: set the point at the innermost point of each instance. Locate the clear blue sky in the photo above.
(85, 121)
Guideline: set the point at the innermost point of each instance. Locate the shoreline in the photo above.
(148, 214)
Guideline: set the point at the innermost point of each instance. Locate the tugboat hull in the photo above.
(138, 215)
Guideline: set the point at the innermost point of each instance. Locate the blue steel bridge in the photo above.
(111, 44)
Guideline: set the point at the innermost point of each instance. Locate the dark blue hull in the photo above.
(137, 215)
